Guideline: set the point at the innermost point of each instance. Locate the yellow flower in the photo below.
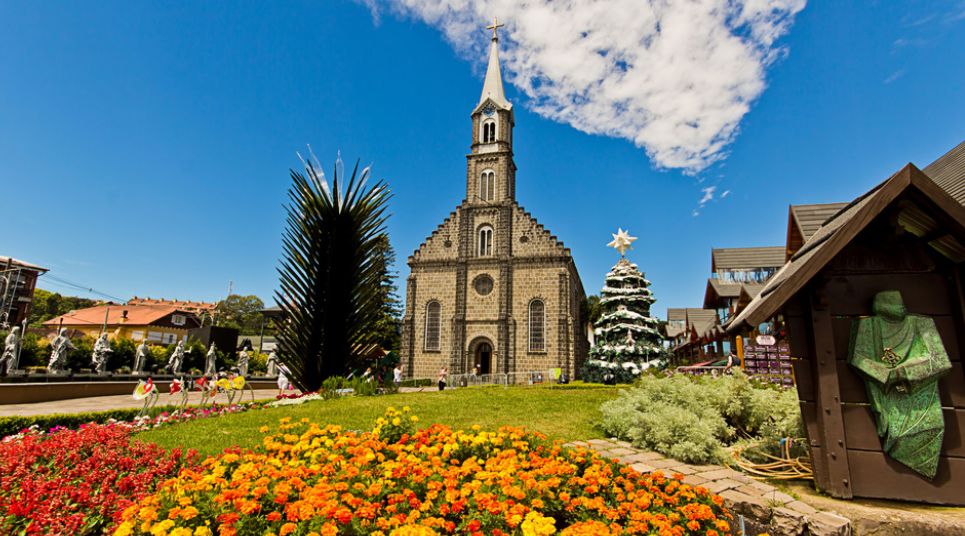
(537, 525)
(202, 531)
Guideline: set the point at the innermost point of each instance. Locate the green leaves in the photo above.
(330, 273)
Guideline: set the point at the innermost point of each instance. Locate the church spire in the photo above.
(493, 85)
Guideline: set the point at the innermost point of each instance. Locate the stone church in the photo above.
(491, 289)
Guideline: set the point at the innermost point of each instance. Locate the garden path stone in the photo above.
(762, 505)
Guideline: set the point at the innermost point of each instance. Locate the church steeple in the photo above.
(493, 85)
(492, 172)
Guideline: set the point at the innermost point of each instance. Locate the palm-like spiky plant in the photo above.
(330, 272)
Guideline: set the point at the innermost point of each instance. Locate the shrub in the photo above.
(692, 418)
(77, 481)
(308, 479)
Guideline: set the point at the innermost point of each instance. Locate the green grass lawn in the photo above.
(561, 412)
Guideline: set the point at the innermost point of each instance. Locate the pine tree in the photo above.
(627, 339)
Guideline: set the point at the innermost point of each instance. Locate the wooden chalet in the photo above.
(906, 234)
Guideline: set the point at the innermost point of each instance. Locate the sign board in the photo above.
(766, 340)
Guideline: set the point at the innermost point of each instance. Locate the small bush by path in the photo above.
(692, 419)
(569, 413)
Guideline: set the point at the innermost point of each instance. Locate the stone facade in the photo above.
(507, 291)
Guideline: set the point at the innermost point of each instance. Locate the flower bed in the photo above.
(309, 479)
(77, 481)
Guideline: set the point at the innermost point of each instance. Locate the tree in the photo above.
(242, 313)
(47, 305)
(388, 334)
(331, 273)
(627, 337)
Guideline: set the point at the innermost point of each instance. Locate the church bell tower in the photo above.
(491, 172)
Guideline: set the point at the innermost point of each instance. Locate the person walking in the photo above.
(443, 373)
(284, 383)
(397, 375)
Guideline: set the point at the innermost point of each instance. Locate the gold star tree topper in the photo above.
(622, 241)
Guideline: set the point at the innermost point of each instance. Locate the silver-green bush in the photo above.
(692, 418)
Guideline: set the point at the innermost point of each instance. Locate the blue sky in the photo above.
(145, 147)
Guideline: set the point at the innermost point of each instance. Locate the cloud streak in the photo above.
(675, 78)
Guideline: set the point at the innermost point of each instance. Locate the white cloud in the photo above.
(894, 76)
(708, 195)
(675, 78)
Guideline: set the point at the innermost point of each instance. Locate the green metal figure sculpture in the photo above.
(901, 358)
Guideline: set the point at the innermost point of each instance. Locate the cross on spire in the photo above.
(495, 26)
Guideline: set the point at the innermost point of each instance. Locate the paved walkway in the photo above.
(102, 403)
(764, 507)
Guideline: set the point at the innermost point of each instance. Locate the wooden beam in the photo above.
(829, 415)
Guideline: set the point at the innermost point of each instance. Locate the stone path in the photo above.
(764, 507)
(103, 403)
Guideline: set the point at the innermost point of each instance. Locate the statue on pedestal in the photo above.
(102, 350)
(210, 362)
(141, 356)
(272, 364)
(243, 358)
(58, 352)
(901, 358)
(177, 358)
(11, 351)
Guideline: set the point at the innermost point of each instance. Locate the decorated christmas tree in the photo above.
(627, 339)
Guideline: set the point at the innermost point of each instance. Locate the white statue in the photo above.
(11, 347)
(102, 350)
(243, 358)
(177, 358)
(141, 356)
(210, 367)
(58, 352)
(272, 364)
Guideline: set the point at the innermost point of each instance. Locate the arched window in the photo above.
(489, 131)
(537, 314)
(432, 325)
(487, 185)
(485, 241)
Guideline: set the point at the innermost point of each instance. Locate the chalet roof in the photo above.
(676, 313)
(137, 315)
(809, 218)
(949, 172)
(701, 321)
(746, 258)
(717, 289)
(836, 233)
(4, 261)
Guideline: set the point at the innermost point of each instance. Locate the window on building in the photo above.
(178, 320)
(485, 241)
(433, 311)
(489, 131)
(154, 336)
(137, 335)
(537, 312)
(168, 338)
(487, 185)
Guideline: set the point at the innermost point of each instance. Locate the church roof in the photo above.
(493, 85)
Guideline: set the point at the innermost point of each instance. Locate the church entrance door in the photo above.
(483, 358)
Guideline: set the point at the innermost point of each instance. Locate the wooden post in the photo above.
(830, 419)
